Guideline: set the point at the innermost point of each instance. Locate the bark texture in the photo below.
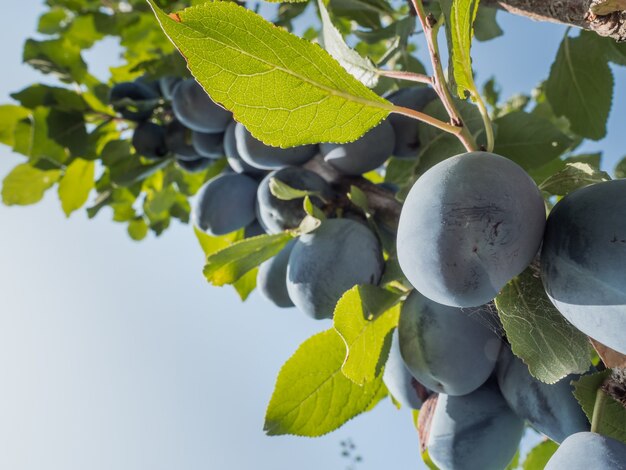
(570, 12)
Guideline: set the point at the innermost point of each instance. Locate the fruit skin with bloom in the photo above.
(272, 278)
(589, 451)
(583, 261)
(469, 225)
(196, 110)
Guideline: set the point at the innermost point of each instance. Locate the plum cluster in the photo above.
(314, 271)
(467, 227)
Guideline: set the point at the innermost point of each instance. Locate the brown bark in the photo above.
(570, 12)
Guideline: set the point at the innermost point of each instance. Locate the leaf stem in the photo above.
(410, 76)
(431, 28)
(598, 410)
(486, 121)
(444, 126)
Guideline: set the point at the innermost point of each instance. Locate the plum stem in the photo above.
(431, 28)
(486, 121)
(598, 410)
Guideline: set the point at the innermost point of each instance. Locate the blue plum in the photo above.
(468, 225)
(178, 141)
(589, 451)
(253, 230)
(399, 381)
(149, 141)
(406, 130)
(272, 278)
(324, 264)
(167, 85)
(196, 110)
(194, 166)
(225, 204)
(551, 409)
(232, 155)
(444, 347)
(363, 155)
(276, 215)
(208, 145)
(583, 261)
(265, 157)
(140, 93)
(474, 432)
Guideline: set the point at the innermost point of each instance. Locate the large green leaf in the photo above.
(613, 419)
(580, 86)
(229, 264)
(529, 140)
(550, 346)
(312, 397)
(26, 185)
(574, 176)
(76, 184)
(460, 27)
(364, 318)
(10, 116)
(285, 90)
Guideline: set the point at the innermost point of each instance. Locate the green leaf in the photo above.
(32, 138)
(580, 86)
(246, 284)
(56, 56)
(620, 169)
(486, 27)
(242, 68)
(360, 67)
(550, 346)
(312, 397)
(462, 15)
(76, 184)
(364, 318)
(231, 263)
(613, 419)
(53, 21)
(284, 192)
(26, 185)
(314, 217)
(211, 244)
(10, 116)
(50, 96)
(538, 457)
(137, 229)
(528, 140)
(358, 198)
(572, 177)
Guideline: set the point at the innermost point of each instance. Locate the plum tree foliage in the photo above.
(393, 198)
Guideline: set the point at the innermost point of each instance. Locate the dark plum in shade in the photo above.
(477, 431)
(363, 155)
(272, 278)
(583, 261)
(136, 91)
(447, 349)
(469, 225)
(551, 409)
(167, 85)
(276, 215)
(253, 230)
(225, 204)
(399, 381)
(194, 166)
(178, 140)
(208, 145)
(149, 141)
(406, 129)
(326, 263)
(589, 451)
(265, 157)
(196, 110)
(232, 154)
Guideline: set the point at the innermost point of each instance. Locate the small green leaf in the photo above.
(10, 116)
(26, 185)
(211, 244)
(462, 15)
(246, 284)
(572, 177)
(613, 418)
(50, 96)
(550, 346)
(360, 67)
(364, 318)
(76, 184)
(242, 68)
(486, 27)
(313, 212)
(539, 455)
(528, 140)
(56, 56)
(620, 169)
(137, 229)
(358, 198)
(312, 397)
(580, 86)
(226, 266)
(284, 192)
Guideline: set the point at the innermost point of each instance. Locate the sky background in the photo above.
(118, 355)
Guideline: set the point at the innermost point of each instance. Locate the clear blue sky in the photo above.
(118, 355)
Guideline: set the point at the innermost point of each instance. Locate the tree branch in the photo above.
(570, 12)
